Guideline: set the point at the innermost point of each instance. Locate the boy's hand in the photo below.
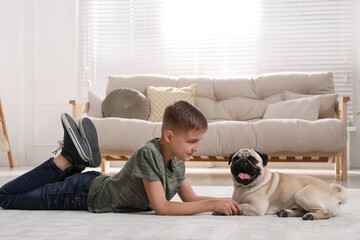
(226, 206)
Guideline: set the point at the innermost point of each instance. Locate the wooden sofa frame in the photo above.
(339, 158)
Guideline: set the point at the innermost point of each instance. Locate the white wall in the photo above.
(11, 75)
(38, 75)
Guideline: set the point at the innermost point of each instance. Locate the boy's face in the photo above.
(183, 145)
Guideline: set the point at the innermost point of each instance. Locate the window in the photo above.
(215, 37)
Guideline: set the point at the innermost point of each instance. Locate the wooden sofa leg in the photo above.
(344, 166)
(105, 166)
(337, 165)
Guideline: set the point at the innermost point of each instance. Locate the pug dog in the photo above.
(261, 191)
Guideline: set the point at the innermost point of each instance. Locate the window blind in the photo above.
(215, 37)
(309, 35)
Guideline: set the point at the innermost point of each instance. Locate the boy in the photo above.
(148, 180)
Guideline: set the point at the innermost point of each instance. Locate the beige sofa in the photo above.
(242, 112)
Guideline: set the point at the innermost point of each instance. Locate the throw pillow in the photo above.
(126, 103)
(327, 102)
(161, 97)
(95, 104)
(303, 108)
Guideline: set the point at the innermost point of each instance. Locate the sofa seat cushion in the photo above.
(296, 135)
(125, 134)
(225, 137)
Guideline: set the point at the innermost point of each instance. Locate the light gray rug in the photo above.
(16, 224)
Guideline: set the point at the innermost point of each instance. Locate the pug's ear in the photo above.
(230, 157)
(264, 157)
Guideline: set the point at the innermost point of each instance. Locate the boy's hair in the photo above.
(182, 116)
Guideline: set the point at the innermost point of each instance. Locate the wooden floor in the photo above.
(211, 176)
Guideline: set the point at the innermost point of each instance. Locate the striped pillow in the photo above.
(327, 102)
(95, 104)
(303, 108)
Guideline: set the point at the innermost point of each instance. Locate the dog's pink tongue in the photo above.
(243, 176)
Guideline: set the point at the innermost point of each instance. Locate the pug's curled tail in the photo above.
(340, 191)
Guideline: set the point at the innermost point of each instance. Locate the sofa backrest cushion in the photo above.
(238, 98)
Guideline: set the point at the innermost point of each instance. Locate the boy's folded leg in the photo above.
(76, 147)
(47, 172)
(89, 133)
(73, 170)
(70, 194)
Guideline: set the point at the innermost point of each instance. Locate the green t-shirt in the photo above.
(125, 191)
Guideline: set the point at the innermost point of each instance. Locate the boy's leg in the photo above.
(75, 144)
(47, 172)
(70, 194)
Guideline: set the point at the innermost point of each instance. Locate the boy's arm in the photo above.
(187, 194)
(162, 206)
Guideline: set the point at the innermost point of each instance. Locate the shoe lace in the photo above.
(61, 145)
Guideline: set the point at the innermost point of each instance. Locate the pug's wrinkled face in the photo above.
(247, 166)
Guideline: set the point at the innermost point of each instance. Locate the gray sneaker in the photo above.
(89, 133)
(74, 147)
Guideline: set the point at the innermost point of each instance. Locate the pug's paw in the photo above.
(218, 214)
(282, 213)
(308, 216)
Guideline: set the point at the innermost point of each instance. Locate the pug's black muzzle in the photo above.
(244, 166)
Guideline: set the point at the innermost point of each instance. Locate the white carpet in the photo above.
(16, 224)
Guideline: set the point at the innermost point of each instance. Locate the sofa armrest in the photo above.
(341, 110)
(79, 107)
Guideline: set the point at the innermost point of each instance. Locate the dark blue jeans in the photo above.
(47, 187)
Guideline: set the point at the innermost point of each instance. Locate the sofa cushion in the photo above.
(232, 109)
(313, 83)
(327, 102)
(225, 137)
(275, 98)
(125, 134)
(214, 93)
(161, 97)
(297, 135)
(303, 108)
(139, 82)
(126, 103)
(95, 104)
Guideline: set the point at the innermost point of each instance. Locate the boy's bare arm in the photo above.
(162, 206)
(187, 194)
